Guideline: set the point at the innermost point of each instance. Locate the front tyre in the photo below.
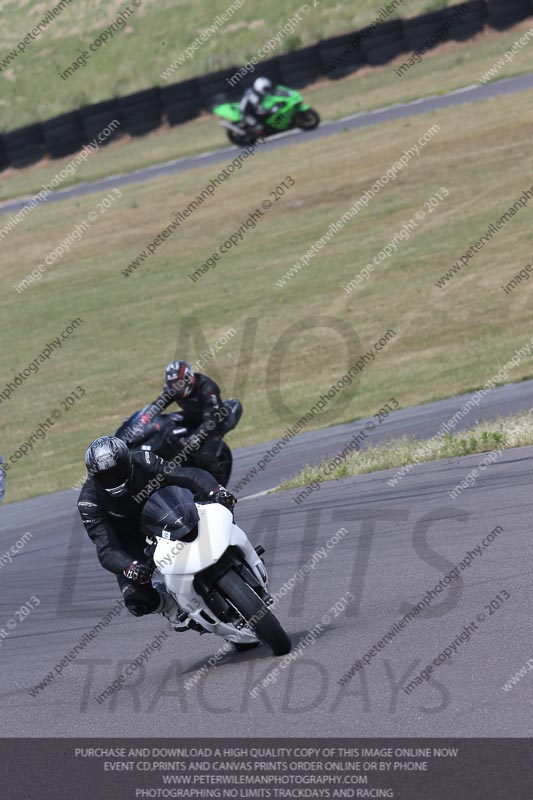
(262, 621)
(307, 120)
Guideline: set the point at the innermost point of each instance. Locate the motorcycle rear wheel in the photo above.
(265, 625)
(241, 139)
(221, 471)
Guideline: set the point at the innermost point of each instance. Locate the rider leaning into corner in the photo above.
(204, 412)
(110, 508)
(251, 107)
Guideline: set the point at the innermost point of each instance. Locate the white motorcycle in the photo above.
(208, 565)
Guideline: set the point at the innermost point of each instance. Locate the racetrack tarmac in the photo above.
(384, 549)
(467, 94)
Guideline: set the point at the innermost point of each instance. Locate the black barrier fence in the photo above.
(121, 768)
(144, 111)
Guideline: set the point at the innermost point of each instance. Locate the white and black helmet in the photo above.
(263, 86)
(108, 462)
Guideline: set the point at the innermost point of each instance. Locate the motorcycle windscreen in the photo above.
(171, 513)
(129, 424)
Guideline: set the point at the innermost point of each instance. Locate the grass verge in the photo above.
(488, 437)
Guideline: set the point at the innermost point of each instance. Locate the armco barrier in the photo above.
(301, 67)
(24, 146)
(215, 87)
(181, 101)
(341, 55)
(384, 42)
(144, 111)
(4, 160)
(469, 19)
(97, 117)
(504, 13)
(63, 135)
(427, 28)
(141, 112)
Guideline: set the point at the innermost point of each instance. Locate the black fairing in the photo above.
(171, 513)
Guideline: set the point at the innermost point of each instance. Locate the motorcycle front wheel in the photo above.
(261, 620)
(307, 120)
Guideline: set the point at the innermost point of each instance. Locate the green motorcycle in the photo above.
(287, 110)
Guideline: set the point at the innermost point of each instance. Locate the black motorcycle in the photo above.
(163, 433)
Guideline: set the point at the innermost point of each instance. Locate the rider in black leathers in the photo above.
(110, 506)
(204, 412)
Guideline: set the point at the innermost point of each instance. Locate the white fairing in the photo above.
(179, 562)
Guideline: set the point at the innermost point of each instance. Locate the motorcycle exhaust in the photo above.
(231, 127)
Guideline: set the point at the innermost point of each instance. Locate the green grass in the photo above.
(500, 434)
(447, 341)
(449, 67)
(149, 42)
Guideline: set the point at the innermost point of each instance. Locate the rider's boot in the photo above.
(169, 608)
(177, 617)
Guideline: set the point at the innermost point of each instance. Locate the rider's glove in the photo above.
(222, 496)
(137, 572)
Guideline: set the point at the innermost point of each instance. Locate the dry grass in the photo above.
(447, 341)
(500, 434)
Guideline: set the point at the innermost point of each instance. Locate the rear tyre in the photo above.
(307, 120)
(241, 139)
(222, 469)
(265, 625)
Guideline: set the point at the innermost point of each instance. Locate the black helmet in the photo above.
(179, 378)
(262, 86)
(171, 513)
(108, 462)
